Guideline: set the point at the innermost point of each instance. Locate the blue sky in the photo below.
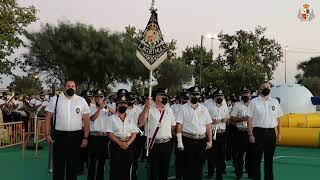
(186, 20)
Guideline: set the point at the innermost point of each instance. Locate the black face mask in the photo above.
(122, 109)
(70, 92)
(171, 102)
(245, 99)
(219, 100)
(194, 100)
(164, 101)
(265, 91)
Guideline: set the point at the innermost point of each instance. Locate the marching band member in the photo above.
(264, 114)
(97, 145)
(193, 128)
(122, 132)
(219, 115)
(161, 123)
(239, 115)
(70, 129)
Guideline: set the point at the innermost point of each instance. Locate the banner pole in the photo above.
(149, 97)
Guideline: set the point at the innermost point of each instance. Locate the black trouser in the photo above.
(160, 156)
(194, 155)
(242, 146)
(83, 160)
(179, 162)
(97, 149)
(66, 154)
(231, 153)
(265, 144)
(138, 146)
(217, 155)
(120, 162)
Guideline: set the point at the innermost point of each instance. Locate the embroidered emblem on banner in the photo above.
(152, 50)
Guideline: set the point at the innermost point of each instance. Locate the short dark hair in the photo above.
(68, 80)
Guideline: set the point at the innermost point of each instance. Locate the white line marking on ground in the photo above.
(297, 157)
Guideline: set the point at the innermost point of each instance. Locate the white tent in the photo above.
(294, 98)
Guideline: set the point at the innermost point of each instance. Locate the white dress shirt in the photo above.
(69, 112)
(218, 113)
(166, 124)
(264, 113)
(134, 112)
(100, 124)
(194, 120)
(121, 129)
(21, 112)
(176, 108)
(240, 110)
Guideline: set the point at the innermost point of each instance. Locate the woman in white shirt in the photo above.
(122, 133)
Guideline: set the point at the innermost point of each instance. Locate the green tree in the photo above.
(313, 84)
(14, 19)
(26, 85)
(198, 59)
(172, 74)
(310, 75)
(247, 59)
(247, 48)
(93, 58)
(309, 68)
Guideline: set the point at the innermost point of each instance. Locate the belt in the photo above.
(242, 129)
(221, 130)
(162, 140)
(96, 133)
(194, 136)
(124, 139)
(263, 129)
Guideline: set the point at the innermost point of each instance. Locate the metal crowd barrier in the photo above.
(12, 134)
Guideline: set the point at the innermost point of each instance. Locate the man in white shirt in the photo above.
(72, 113)
(264, 114)
(97, 145)
(239, 115)
(193, 128)
(159, 127)
(219, 115)
(184, 98)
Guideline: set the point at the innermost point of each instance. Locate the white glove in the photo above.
(209, 145)
(180, 144)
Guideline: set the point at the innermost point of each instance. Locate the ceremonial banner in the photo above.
(152, 50)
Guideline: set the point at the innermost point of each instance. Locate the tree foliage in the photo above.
(247, 59)
(308, 68)
(313, 84)
(14, 19)
(26, 85)
(310, 75)
(93, 58)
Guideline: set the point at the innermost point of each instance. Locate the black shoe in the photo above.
(210, 175)
(224, 171)
(239, 176)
